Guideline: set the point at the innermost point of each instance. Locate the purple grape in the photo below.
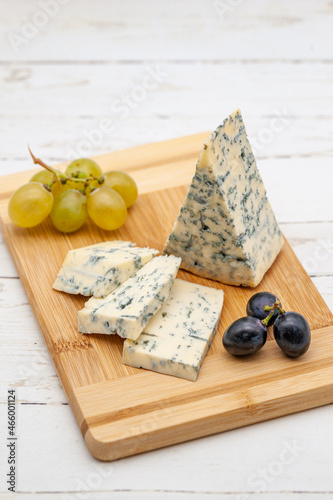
(256, 304)
(244, 336)
(292, 334)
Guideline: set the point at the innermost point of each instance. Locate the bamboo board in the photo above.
(123, 411)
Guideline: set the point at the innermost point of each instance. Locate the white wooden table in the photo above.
(156, 70)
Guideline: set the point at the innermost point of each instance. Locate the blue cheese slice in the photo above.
(98, 269)
(226, 229)
(177, 338)
(127, 310)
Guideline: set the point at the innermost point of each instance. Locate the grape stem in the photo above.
(276, 305)
(64, 178)
(37, 161)
(272, 308)
(267, 319)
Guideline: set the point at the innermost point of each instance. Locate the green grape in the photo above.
(106, 208)
(58, 188)
(30, 205)
(82, 168)
(44, 176)
(124, 184)
(69, 211)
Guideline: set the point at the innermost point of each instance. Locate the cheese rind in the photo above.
(127, 310)
(177, 338)
(98, 269)
(226, 229)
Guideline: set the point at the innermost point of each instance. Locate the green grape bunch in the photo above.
(70, 198)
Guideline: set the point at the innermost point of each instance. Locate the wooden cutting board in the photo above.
(121, 410)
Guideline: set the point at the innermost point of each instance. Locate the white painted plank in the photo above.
(172, 495)
(285, 451)
(298, 190)
(7, 268)
(193, 90)
(169, 30)
(24, 359)
(64, 118)
(325, 285)
(313, 245)
(317, 256)
(69, 136)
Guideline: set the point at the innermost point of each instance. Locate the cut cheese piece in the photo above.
(127, 310)
(98, 269)
(177, 338)
(226, 229)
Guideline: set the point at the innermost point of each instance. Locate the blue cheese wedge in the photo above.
(98, 269)
(226, 229)
(127, 310)
(177, 338)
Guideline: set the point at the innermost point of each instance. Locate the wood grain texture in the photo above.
(90, 367)
(230, 393)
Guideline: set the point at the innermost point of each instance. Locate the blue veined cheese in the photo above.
(98, 269)
(177, 338)
(226, 229)
(127, 310)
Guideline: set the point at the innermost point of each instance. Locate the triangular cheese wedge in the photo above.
(226, 229)
(98, 269)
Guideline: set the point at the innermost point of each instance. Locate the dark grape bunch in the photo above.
(70, 197)
(248, 335)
